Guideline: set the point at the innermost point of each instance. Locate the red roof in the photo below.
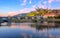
(50, 14)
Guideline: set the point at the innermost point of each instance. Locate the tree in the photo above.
(41, 11)
(32, 13)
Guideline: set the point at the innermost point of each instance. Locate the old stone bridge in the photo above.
(4, 19)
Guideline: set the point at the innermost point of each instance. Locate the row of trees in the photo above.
(39, 12)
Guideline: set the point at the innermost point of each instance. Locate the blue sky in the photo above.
(7, 6)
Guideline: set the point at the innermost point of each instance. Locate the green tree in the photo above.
(32, 13)
(41, 11)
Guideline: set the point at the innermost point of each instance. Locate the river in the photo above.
(28, 30)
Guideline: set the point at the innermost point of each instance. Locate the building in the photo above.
(49, 15)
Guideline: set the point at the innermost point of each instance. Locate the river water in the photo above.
(27, 30)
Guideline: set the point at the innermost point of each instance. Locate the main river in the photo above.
(28, 30)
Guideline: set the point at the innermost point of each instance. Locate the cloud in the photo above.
(50, 1)
(25, 10)
(2, 14)
(45, 2)
(24, 3)
(12, 13)
(42, 6)
(57, 7)
(30, 1)
(34, 6)
(58, 0)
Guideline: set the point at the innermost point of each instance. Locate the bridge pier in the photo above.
(5, 19)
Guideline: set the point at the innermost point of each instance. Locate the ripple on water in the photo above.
(26, 31)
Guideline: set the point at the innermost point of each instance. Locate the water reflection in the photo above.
(29, 30)
(5, 24)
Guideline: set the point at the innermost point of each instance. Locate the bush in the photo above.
(50, 17)
(57, 17)
(34, 20)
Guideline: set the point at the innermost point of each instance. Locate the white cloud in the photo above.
(34, 6)
(30, 1)
(24, 3)
(50, 1)
(12, 13)
(49, 4)
(45, 2)
(42, 6)
(25, 10)
(58, 0)
(3, 14)
(56, 7)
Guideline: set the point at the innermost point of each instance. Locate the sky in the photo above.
(13, 7)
